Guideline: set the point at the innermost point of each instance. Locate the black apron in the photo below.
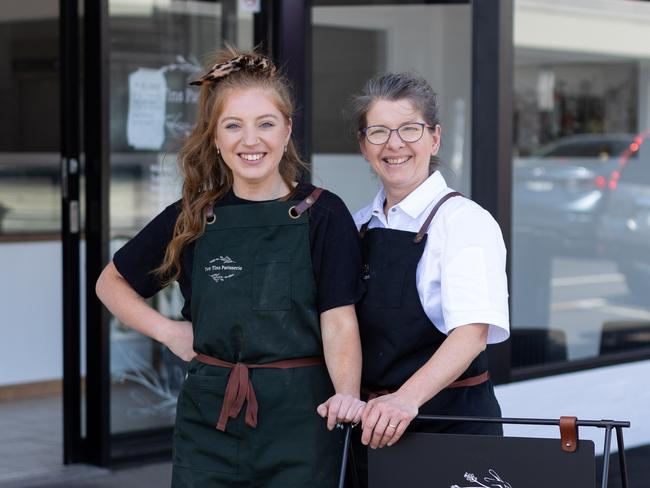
(254, 303)
(398, 338)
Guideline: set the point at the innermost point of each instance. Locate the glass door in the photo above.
(156, 49)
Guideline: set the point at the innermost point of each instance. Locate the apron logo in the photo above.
(221, 268)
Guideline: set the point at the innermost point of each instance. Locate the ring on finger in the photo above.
(391, 426)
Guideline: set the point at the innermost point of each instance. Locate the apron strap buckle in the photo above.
(297, 210)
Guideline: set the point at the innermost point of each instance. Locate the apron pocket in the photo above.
(272, 283)
(197, 442)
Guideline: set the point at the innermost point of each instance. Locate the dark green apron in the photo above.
(254, 302)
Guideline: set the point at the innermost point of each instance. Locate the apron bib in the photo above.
(254, 303)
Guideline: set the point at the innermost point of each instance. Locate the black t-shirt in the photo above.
(335, 251)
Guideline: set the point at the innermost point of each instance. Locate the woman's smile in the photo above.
(395, 160)
(252, 158)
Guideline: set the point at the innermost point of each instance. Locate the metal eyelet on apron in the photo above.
(293, 213)
(210, 219)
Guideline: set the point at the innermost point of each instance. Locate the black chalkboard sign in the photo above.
(474, 461)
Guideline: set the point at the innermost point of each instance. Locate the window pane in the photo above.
(157, 48)
(30, 198)
(581, 182)
(376, 39)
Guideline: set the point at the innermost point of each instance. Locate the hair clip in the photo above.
(253, 63)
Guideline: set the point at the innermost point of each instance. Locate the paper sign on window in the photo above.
(145, 127)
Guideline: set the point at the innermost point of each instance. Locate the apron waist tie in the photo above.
(471, 381)
(240, 388)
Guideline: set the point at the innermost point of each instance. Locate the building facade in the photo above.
(545, 110)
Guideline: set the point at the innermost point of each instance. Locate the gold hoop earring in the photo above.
(218, 151)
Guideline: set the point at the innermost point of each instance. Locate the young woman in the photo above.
(269, 272)
(435, 273)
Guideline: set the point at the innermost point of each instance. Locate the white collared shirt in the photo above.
(461, 277)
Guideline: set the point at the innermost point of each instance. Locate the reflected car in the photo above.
(624, 231)
(559, 193)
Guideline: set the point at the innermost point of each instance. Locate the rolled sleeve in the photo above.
(473, 273)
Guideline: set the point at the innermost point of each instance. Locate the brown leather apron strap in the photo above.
(372, 394)
(471, 381)
(425, 226)
(240, 388)
(298, 209)
(295, 211)
(363, 229)
(208, 213)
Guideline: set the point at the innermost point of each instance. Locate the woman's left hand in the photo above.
(341, 408)
(386, 418)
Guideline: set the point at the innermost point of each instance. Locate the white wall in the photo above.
(603, 27)
(31, 323)
(620, 392)
(31, 318)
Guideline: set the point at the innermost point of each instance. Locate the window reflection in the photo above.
(156, 50)
(29, 124)
(581, 202)
(432, 40)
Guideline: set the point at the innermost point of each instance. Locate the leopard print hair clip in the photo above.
(253, 63)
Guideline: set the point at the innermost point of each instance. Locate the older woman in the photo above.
(435, 273)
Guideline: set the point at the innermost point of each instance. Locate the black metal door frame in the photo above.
(70, 222)
(93, 447)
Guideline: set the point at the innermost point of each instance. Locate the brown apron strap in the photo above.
(297, 210)
(209, 214)
(425, 226)
(471, 381)
(240, 388)
(364, 228)
(569, 433)
(375, 393)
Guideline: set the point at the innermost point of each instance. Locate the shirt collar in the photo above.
(419, 199)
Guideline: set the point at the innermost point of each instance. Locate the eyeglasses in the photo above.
(379, 134)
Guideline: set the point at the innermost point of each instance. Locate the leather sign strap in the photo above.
(569, 433)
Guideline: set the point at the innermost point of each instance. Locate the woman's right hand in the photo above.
(178, 336)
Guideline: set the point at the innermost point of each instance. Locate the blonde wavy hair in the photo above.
(206, 176)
